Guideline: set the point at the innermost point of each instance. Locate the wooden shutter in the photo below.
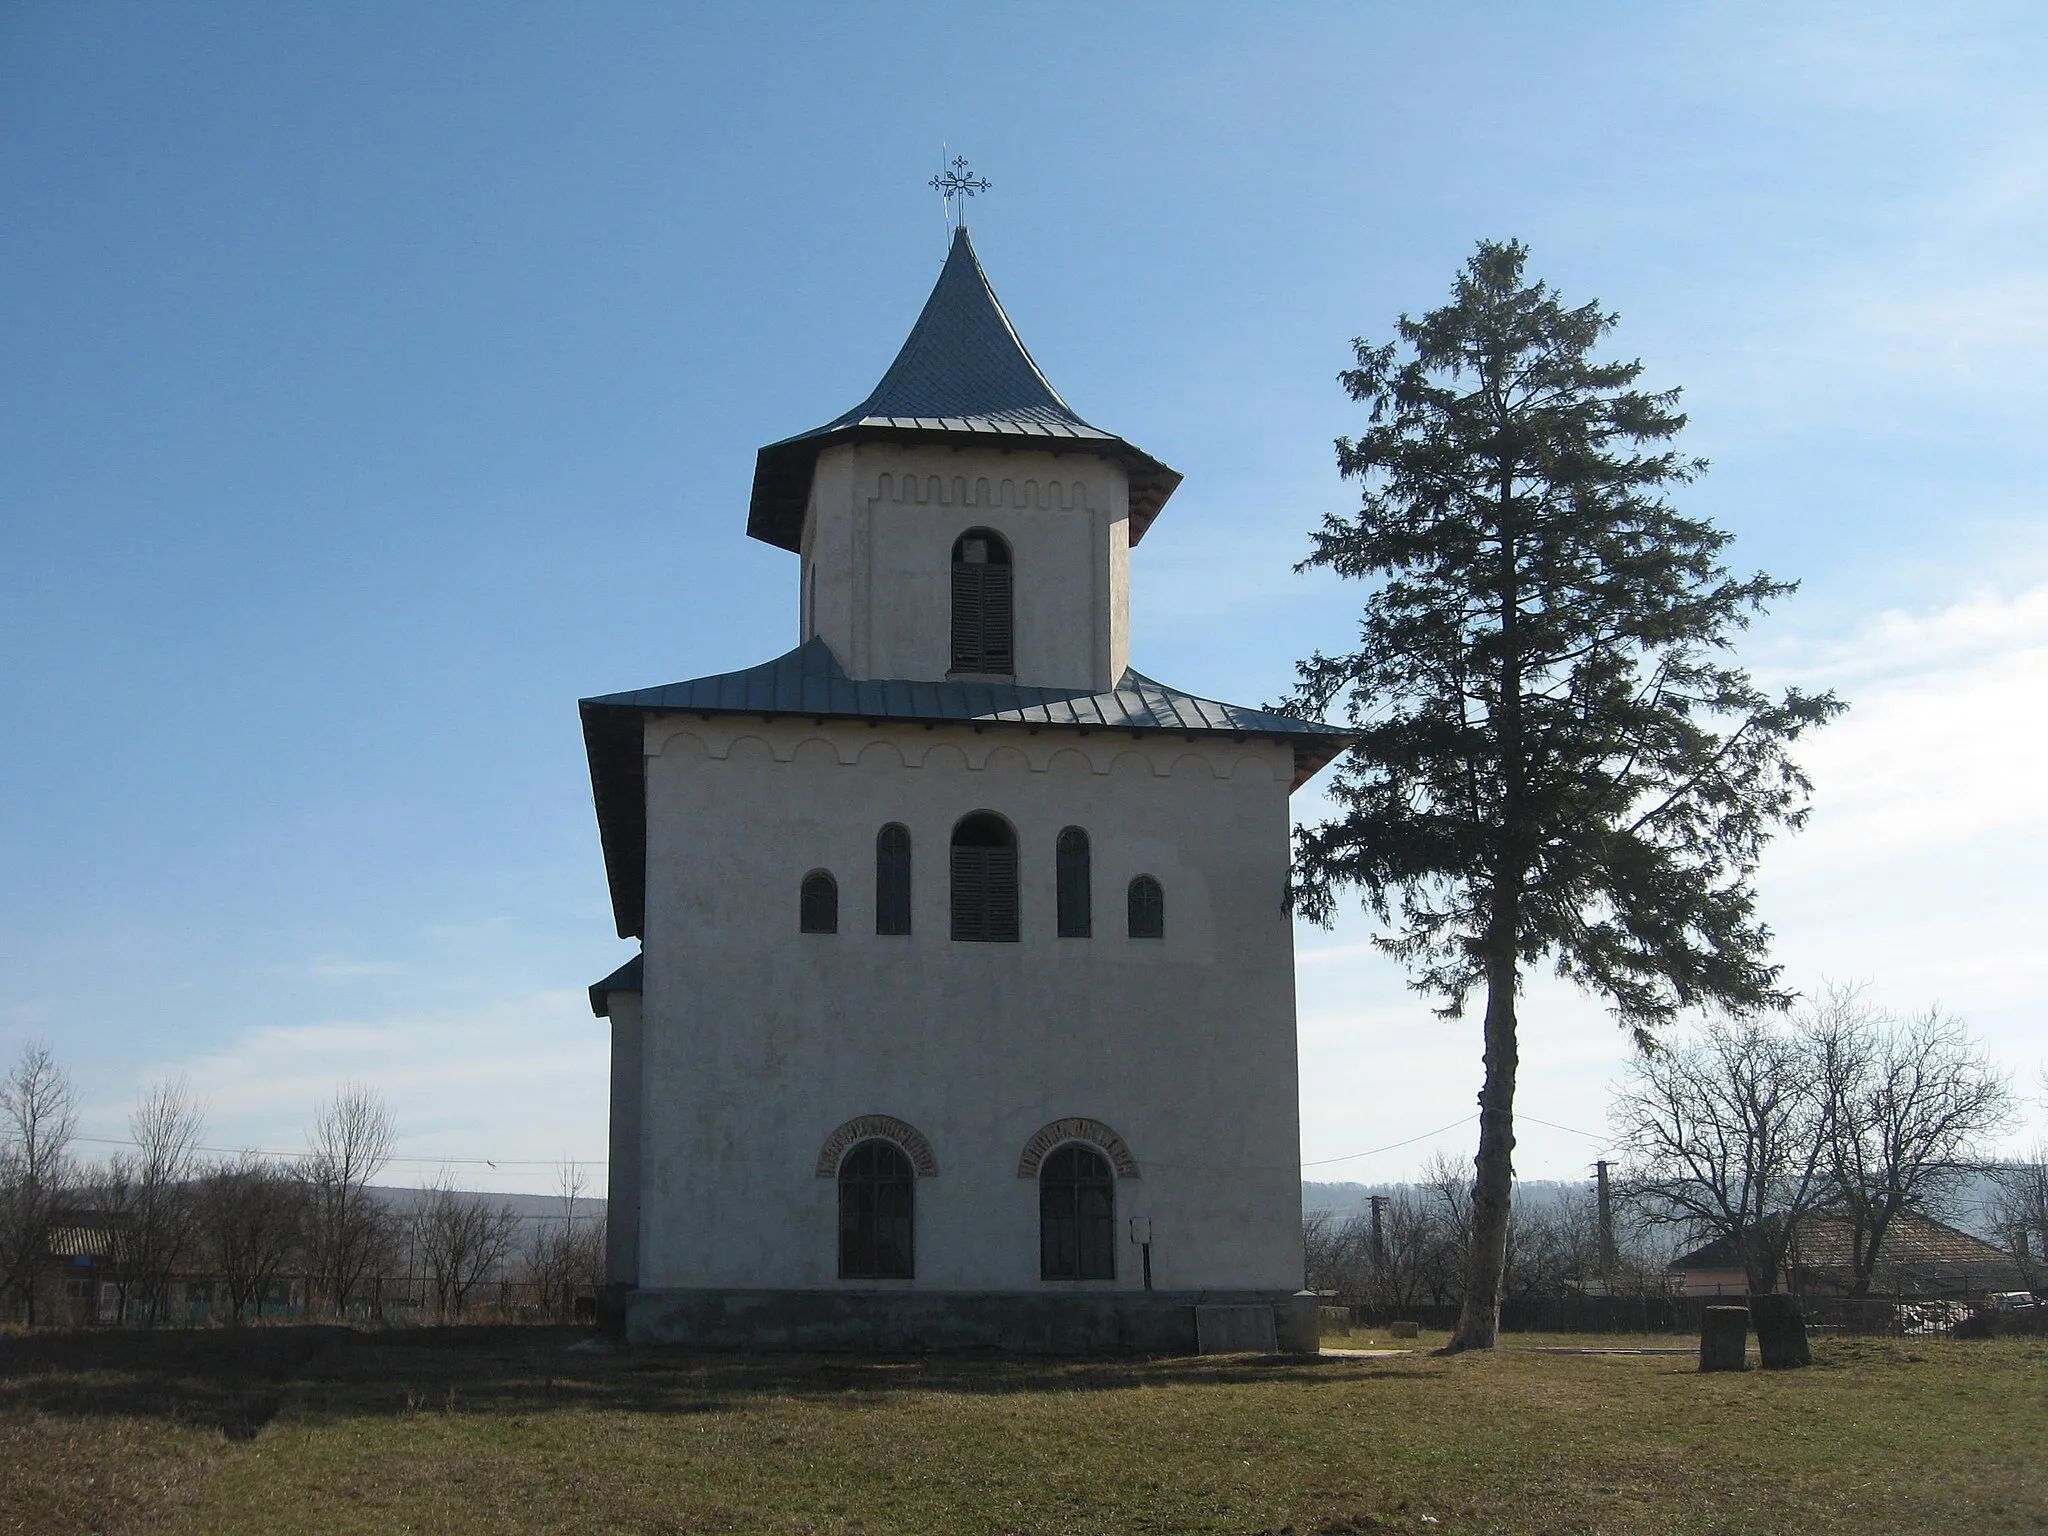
(970, 893)
(982, 619)
(985, 894)
(996, 648)
(1002, 895)
(967, 617)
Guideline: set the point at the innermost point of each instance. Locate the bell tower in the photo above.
(963, 522)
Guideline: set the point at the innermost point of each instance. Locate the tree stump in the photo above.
(1724, 1339)
(1780, 1332)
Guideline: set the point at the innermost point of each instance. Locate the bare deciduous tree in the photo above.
(161, 1205)
(37, 1120)
(1727, 1134)
(1907, 1105)
(462, 1240)
(348, 1232)
(253, 1222)
(566, 1257)
(2019, 1214)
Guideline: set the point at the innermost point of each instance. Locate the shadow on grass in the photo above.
(235, 1380)
(232, 1380)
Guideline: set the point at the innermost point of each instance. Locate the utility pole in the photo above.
(1606, 1227)
(1379, 1232)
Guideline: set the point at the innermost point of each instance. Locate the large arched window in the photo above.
(1076, 915)
(982, 607)
(874, 1213)
(818, 903)
(984, 880)
(1076, 1216)
(1147, 913)
(892, 879)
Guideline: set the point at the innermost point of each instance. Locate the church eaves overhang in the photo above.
(809, 681)
(963, 379)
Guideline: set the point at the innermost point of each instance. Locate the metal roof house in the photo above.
(965, 1013)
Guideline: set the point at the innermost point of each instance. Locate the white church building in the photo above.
(964, 1015)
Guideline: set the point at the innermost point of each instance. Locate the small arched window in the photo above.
(874, 1213)
(1076, 1216)
(984, 880)
(892, 879)
(982, 606)
(1147, 909)
(818, 904)
(1076, 915)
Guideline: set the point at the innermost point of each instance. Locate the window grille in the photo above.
(1076, 917)
(875, 1213)
(818, 905)
(984, 880)
(892, 879)
(1076, 1216)
(1147, 909)
(982, 604)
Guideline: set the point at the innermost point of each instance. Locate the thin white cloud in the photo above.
(333, 969)
(519, 1079)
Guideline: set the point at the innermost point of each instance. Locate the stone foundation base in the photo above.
(896, 1322)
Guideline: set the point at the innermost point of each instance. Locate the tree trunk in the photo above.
(1780, 1332)
(1494, 1168)
(1724, 1339)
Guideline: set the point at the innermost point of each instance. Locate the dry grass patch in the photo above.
(506, 1430)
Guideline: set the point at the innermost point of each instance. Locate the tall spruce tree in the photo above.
(1555, 762)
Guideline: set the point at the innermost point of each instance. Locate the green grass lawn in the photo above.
(284, 1430)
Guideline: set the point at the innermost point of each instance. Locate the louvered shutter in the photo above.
(967, 617)
(996, 644)
(970, 893)
(1001, 899)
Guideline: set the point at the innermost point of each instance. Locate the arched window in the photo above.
(982, 640)
(984, 880)
(818, 906)
(1076, 1216)
(1148, 909)
(1076, 912)
(874, 1213)
(892, 879)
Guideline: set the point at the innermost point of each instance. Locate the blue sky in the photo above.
(376, 380)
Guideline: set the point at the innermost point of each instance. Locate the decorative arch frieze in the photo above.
(869, 1127)
(1077, 1128)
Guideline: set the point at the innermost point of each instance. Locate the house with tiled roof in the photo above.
(1919, 1257)
(964, 1009)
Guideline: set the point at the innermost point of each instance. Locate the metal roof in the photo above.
(625, 979)
(964, 376)
(810, 681)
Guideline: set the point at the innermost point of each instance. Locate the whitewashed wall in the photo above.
(759, 1040)
(878, 552)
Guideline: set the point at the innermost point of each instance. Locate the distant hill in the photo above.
(535, 1212)
(1342, 1200)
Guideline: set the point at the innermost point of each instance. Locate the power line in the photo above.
(1573, 1130)
(1390, 1147)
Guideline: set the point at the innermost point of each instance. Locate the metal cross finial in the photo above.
(957, 181)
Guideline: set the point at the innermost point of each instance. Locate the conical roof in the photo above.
(963, 376)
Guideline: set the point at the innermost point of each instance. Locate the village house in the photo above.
(1920, 1258)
